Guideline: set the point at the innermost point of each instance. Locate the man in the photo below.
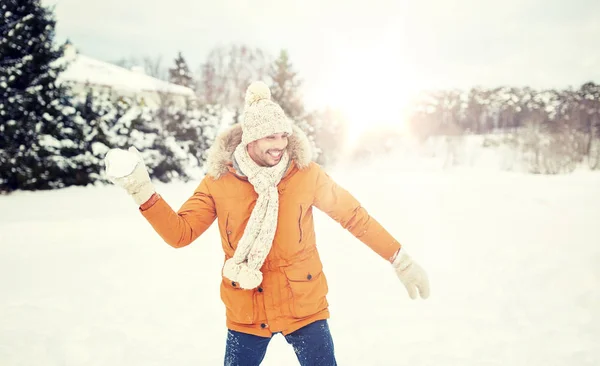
(261, 185)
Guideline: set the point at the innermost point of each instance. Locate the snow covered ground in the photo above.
(513, 259)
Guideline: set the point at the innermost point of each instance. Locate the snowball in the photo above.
(120, 163)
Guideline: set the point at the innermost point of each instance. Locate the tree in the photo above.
(285, 90)
(153, 66)
(285, 86)
(589, 113)
(159, 150)
(209, 85)
(39, 130)
(149, 65)
(227, 72)
(194, 129)
(180, 74)
(475, 111)
(99, 115)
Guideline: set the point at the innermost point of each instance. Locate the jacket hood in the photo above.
(220, 154)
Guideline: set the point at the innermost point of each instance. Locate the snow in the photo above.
(99, 149)
(120, 163)
(49, 141)
(84, 69)
(512, 259)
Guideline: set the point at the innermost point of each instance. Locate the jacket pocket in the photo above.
(301, 234)
(239, 303)
(229, 232)
(308, 287)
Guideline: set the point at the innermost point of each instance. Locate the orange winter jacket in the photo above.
(294, 288)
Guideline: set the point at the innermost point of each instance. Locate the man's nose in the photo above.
(281, 143)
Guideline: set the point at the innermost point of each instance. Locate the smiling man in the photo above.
(262, 186)
(269, 150)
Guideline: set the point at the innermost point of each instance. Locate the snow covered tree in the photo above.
(140, 126)
(180, 74)
(125, 111)
(160, 154)
(99, 114)
(38, 126)
(194, 129)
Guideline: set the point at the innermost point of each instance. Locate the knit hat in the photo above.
(262, 116)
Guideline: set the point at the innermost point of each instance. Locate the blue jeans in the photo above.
(312, 344)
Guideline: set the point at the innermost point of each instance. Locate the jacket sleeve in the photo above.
(344, 208)
(180, 228)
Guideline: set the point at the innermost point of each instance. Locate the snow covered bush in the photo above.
(548, 152)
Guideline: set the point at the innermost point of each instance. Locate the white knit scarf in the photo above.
(255, 244)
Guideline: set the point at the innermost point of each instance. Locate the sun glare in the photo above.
(370, 89)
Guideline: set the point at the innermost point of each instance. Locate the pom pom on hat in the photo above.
(258, 90)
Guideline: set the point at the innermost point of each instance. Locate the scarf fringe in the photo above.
(245, 276)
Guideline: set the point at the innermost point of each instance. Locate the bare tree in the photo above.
(153, 66)
(227, 72)
(150, 65)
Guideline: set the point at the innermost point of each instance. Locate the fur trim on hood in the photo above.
(220, 153)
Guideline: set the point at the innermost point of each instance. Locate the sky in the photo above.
(358, 54)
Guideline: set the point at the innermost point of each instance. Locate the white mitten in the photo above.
(411, 274)
(126, 169)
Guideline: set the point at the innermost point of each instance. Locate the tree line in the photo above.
(52, 138)
(554, 130)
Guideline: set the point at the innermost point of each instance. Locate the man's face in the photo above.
(268, 150)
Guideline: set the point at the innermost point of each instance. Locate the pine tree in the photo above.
(285, 87)
(99, 115)
(194, 129)
(39, 128)
(180, 74)
(121, 123)
(285, 90)
(142, 127)
(160, 154)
